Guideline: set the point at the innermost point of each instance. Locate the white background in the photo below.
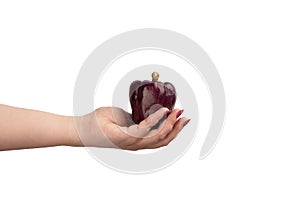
(255, 46)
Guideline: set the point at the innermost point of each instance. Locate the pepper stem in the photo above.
(155, 76)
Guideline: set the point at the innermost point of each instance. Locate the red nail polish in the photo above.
(179, 113)
(186, 122)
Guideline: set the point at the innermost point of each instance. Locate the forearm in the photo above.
(23, 128)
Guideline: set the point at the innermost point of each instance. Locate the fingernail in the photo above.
(168, 111)
(186, 122)
(179, 113)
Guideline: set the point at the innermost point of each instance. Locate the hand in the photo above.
(113, 127)
(105, 127)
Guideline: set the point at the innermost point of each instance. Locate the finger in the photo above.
(164, 134)
(154, 136)
(154, 118)
(180, 124)
(121, 117)
(167, 125)
(142, 129)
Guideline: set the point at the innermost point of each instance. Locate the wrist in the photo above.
(73, 136)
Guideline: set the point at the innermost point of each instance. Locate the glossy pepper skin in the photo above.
(146, 97)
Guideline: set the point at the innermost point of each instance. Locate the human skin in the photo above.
(107, 127)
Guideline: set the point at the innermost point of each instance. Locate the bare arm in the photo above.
(22, 128)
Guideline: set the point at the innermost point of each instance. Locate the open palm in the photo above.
(113, 127)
